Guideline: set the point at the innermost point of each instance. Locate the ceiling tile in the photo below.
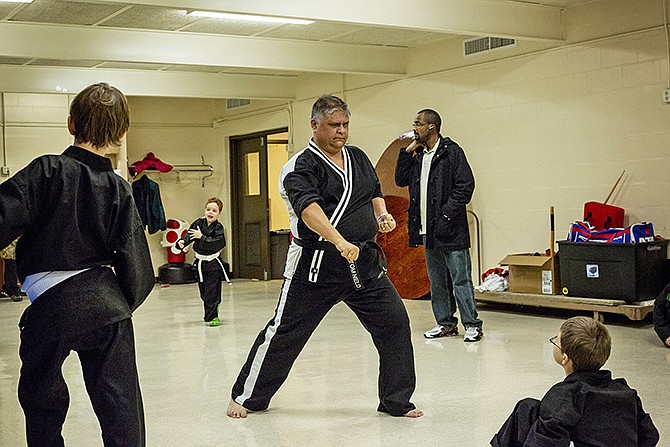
(6, 8)
(133, 66)
(314, 31)
(74, 13)
(259, 71)
(65, 63)
(4, 60)
(231, 27)
(381, 36)
(196, 68)
(147, 17)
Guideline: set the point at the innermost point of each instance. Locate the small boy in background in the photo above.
(588, 407)
(84, 262)
(662, 316)
(208, 237)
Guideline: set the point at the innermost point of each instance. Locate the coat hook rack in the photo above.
(202, 167)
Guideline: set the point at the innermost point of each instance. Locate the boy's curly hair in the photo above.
(216, 200)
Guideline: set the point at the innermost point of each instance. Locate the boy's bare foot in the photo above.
(236, 410)
(416, 413)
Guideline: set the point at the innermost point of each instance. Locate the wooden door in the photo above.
(251, 244)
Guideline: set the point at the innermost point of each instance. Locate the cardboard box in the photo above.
(533, 274)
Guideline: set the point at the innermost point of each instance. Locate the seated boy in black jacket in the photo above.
(662, 316)
(588, 407)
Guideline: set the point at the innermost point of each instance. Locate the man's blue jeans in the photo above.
(450, 275)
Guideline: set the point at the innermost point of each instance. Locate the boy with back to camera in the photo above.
(588, 408)
(84, 263)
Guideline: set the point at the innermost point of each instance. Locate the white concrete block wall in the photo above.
(36, 108)
(36, 125)
(554, 128)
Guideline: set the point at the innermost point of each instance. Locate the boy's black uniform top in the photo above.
(213, 237)
(590, 409)
(662, 314)
(73, 212)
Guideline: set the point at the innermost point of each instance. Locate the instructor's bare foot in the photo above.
(236, 410)
(416, 413)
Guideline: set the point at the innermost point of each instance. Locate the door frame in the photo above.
(236, 197)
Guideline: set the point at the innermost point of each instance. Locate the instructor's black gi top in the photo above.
(345, 196)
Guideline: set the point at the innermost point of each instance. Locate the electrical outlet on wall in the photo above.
(666, 95)
(4, 170)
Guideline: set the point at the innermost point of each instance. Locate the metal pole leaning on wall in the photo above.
(479, 246)
(4, 136)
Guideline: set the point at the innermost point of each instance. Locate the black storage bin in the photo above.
(629, 272)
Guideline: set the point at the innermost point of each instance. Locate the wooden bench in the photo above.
(634, 311)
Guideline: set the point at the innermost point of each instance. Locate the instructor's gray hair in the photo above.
(326, 105)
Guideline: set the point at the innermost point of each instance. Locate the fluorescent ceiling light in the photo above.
(251, 18)
(16, 1)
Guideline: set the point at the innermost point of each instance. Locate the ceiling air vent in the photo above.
(481, 44)
(232, 103)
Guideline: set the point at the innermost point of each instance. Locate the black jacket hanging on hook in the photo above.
(148, 200)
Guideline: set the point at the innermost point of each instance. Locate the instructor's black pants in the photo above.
(302, 305)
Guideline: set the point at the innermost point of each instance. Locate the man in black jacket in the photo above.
(440, 185)
(84, 262)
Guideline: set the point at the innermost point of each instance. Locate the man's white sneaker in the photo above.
(473, 334)
(441, 331)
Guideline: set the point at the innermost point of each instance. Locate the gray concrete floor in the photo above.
(466, 389)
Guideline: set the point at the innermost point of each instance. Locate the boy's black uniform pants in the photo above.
(107, 357)
(210, 292)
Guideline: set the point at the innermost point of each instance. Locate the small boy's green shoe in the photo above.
(214, 322)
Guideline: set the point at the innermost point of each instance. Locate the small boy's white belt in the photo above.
(207, 257)
(211, 257)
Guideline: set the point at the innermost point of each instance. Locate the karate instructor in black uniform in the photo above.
(336, 208)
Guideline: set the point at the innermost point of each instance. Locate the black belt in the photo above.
(327, 246)
(314, 245)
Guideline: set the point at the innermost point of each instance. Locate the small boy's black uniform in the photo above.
(588, 408)
(74, 213)
(662, 314)
(208, 265)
